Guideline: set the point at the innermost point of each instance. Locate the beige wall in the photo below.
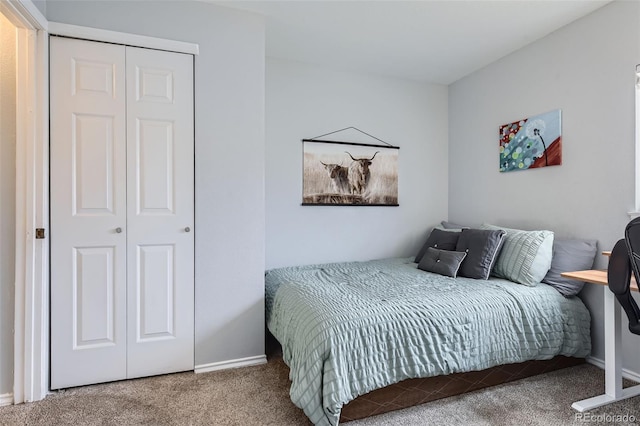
(7, 198)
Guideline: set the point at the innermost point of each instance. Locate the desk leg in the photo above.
(612, 346)
(612, 359)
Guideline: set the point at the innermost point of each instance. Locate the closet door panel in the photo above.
(160, 207)
(155, 162)
(88, 208)
(155, 292)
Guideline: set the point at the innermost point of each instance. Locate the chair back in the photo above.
(625, 258)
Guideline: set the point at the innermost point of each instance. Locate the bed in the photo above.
(347, 329)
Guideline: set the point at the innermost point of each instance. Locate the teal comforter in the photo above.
(349, 328)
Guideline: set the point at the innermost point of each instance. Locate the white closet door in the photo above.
(160, 203)
(122, 200)
(88, 212)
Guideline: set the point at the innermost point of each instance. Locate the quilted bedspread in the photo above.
(349, 328)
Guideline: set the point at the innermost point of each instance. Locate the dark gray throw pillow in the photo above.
(482, 247)
(443, 262)
(570, 255)
(439, 239)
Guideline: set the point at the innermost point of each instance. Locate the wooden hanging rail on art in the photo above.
(386, 144)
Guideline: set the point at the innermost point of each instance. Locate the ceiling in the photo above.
(428, 40)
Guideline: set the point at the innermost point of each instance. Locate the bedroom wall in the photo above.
(587, 69)
(305, 101)
(7, 199)
(41, 5)
(229, 158)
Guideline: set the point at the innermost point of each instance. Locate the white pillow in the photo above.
(525, 257)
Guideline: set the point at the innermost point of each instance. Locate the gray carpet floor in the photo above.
(260, 396)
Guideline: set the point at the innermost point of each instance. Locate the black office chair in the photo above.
(625, 257)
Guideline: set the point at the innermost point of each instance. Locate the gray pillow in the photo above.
(442, 262)
(439, 239)
(482, 247)
(570, 255)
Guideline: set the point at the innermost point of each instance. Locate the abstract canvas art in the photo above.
(349, 174)
(532, 142)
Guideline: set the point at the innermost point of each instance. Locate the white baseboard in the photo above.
(6, 399)
(627, 374)
(232, 363)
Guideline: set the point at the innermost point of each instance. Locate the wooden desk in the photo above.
(595, 276)
(612, 343)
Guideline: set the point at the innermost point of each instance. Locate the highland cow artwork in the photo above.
(531, 142)
(349, 174)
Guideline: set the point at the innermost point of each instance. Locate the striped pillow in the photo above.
(525, 257)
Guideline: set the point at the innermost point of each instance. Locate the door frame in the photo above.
(30, 373)
(31, 339)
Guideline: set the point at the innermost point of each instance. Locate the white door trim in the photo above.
(24, 13)
(24, 216)
(31, 348)
(6, 399)
(94, 34)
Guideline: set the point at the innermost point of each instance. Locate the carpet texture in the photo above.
(260, 396)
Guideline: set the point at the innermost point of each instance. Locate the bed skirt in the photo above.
(418, 391)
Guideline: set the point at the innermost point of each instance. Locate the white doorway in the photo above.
(29, 369)
(31, 340)
(8, 64)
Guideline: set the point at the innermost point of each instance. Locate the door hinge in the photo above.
(40, 233)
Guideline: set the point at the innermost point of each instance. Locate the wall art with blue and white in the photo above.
(532, 142)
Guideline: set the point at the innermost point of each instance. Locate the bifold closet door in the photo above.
(122, 205)
(88, 212)
(160, 205)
